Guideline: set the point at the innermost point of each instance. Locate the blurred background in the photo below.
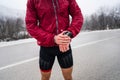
(96, 50)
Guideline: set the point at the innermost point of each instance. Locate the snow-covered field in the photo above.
(17, 42)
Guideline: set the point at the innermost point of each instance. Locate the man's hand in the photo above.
(61, 39)
(63, 48)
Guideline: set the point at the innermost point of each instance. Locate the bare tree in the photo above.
(10, 29)
(103, 19)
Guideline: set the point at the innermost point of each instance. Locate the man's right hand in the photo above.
(61, 39)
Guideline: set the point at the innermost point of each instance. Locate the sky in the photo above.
(87, 6)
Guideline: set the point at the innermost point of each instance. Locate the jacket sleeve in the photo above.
(43, 37)
(77, 18)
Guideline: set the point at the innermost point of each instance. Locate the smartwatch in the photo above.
(68, 33)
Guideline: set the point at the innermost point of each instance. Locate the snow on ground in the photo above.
(3, 44)
(97, 31)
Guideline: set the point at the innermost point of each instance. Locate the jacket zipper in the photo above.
(56, 17)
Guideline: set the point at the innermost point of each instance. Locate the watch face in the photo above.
(68, 34)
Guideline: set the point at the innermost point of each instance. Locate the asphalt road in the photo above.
(96, 57)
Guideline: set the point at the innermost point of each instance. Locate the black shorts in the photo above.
(47, 58)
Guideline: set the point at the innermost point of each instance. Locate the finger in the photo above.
(60, 41)
(64, 38)
(68, 47)
(65, 42)
(65, 47)
(60, 48)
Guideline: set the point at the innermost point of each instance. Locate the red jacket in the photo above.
(46, 18)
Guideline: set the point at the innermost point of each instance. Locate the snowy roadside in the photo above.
(109, 30)
(10, 43)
